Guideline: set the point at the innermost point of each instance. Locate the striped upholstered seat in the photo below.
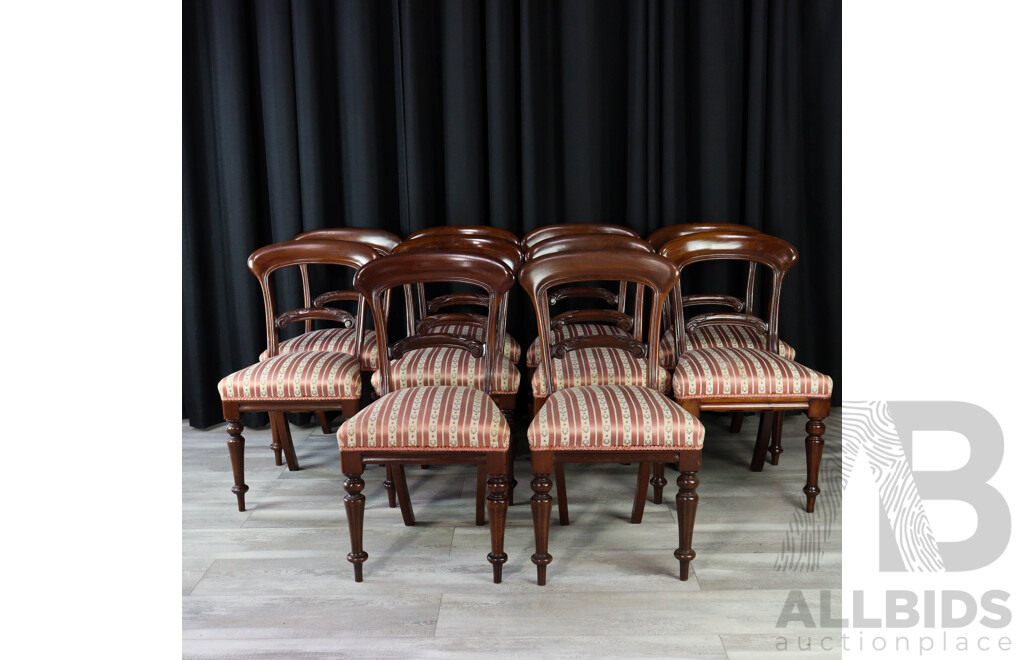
(295, 377)
(334, 340)
(451, 418)
(610, 417)
(597, 366)
(512, 349)
(572, 331)
(721, 335)
(447, 366)
(737, 373)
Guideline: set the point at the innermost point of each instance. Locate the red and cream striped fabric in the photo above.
(512, 349)
(415, 418)
(597, 366)
(572, 331)
(719, 335)
(737, 373)
(613, 417)
(447, 366)
(334, 340)
(295, 377)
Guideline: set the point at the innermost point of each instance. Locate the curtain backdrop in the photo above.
(407, 114)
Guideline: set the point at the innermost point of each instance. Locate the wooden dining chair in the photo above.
(420, 421)
(306, 381)
(609, 423)
(484, 231)
(550, 231)
(729, 379)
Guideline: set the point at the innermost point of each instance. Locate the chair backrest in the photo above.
(376, 280)
(775, 253)
(508, 252)
(661, 236)
(466, 230)
(550, 231)
(381, 241)
(644, 269)
(271, 258)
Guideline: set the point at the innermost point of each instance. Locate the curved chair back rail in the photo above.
(775, 253)
(407, 269)
(550, 231)
(271, 258)
(643, 269)
(466, 230)
(381, 241)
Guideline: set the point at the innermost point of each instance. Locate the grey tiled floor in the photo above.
(273, 581)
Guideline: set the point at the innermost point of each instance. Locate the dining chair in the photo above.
(550, 231)
(416, 421)
(609, 423)
(729, 379)
(306, 381)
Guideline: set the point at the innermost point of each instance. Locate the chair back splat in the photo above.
(644, 269)
(414, 268)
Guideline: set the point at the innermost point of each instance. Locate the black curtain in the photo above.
(407, 114)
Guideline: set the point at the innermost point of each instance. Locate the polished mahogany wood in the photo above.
(466, 230)
(263, 263)
(778, 256)
(660, 277)
(550, 231)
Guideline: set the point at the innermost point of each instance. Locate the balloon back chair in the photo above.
(418, 422)
(747, 379)
(608, 423)
(466, 230)
(304, 381)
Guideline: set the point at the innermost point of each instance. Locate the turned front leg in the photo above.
(814, 446)
(497, 511)
(355, 503)
(775, 450)
(658, 481)
(540, 505)
(236, 449)
(686, 507)
(389, 485)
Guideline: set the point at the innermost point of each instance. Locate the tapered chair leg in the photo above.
(325, 425)
(402, 494)
(389, 485)
(775, 449)
(236, 448)
(540, 505)
(764, 429)
(497, 511)
(686, 508)
(563, 501)
(659, 481)
(737, 422)
(814, 446)
(355, 503)
(640, 497)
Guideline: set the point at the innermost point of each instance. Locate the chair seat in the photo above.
(719, 335)
(572, 331)
(334, 340)
(512, 349)
(447, 366)
(295, 377)
(597, 366)
(608, 417)
(426, 418)
(737, 373)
